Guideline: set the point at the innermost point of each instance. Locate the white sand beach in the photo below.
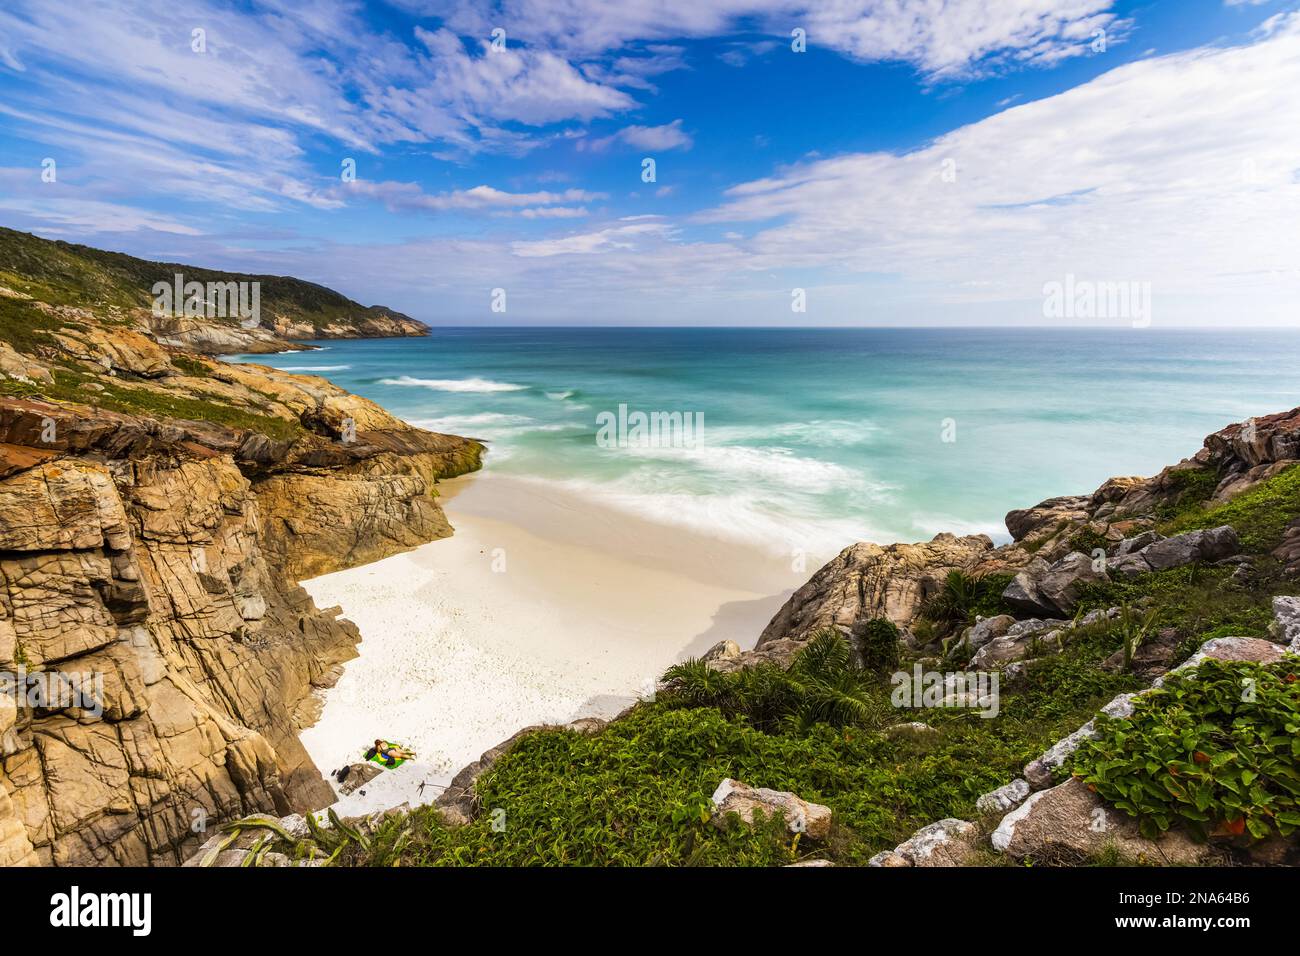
(543, 607)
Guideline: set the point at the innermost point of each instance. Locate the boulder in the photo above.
(1047, 519)
(732, 796)
(1053, 589)
(947, 842)
(1210, 544)
(1023, 637)
(913, 729)
(1136, 543)
(1022, 593)
(986, 629)
(1286, 621)
(1070, 824)
(863, 582)
(1040, 771)
(1253, 649)
(1288, 551)
(1004, 798)
(1264, 440)
(22, 368)
(1064, 581)
(888, 858)
(721, 651)
(1128, 566)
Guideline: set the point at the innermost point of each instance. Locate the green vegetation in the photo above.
(1190, 488)
(963, 597)
(1259, 515)
(879, 638)
(25, 327)
(1133, 627)
(191, 366)
(1217, 752)
(1088, 541)
(637, 792)
(822, 685)
(117, 397)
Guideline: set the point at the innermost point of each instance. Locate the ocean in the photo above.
(811, 439)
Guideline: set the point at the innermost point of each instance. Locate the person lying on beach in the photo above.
(389, 753)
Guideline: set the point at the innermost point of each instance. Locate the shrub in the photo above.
(1088, 541)
(1217, 750)
(962, 597)
(878, 642)
(822, 685)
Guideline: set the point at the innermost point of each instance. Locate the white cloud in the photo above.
(1181, 171)
(588, 243)
(307, 70)
(941, 37)
(654, 138)
(59, 215)
(399, 196)
(554, 212)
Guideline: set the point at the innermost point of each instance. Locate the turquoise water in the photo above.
(813, 439)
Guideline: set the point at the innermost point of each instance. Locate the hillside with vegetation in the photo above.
(44, 283)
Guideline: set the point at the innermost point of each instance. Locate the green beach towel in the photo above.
(379, 758)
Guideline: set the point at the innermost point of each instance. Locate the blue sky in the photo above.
(926, 162)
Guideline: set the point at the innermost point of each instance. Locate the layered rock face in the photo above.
(156, 561)
(865, 581)
(218, 338)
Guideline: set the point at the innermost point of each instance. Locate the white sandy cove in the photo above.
(565, 610)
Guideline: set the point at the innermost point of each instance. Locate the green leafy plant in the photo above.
(1133, 627)
(1087, 540)
(878, 645)
(822, 685)
(962, 597)
(1216, 750)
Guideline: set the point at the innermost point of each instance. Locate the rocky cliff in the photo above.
(156, 510)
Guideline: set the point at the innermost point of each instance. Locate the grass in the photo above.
(25, 327)
(1259, 514)
(1190, 488)
(190, 366)
(118, 397)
